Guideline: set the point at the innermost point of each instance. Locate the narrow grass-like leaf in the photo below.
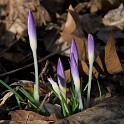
(30, 98)
(100, 92)
(12, 90)
(65, 106)
(74, 102)
(18, 102)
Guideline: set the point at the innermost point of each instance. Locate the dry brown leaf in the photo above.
(85, 68)
(24, 116)
(107, 62)
(28, 86)
(67, 75)
(72, 28)
(115, 18)
(16, 20)
(95, 6)
(5, 98)
(22, 122)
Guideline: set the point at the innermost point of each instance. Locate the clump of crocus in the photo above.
(60, 88)
(75, 72)
(91, 60)
(33, 44)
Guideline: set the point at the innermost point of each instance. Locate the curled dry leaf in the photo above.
(107, 62)
(115, 17)
(29, 116)
(73, 28)
(5, 97)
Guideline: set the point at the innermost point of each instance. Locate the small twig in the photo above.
(43, 70)
(46, 96)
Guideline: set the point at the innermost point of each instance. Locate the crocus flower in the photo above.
(55, 87)
(91, 60)
(73, 49)
(58, 91)
(32, 31)
(61, 78)
(90, 49)
(76, 79)
(33, 45)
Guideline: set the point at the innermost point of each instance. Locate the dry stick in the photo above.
(39, 61)
(43, 70)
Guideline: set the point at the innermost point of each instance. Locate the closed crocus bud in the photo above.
(55, 87)
(33, 45)
(61, 78)
(76, 79)
(90, 48)
(74, 72)
(32, 31)
(73, 49)
(91, 60)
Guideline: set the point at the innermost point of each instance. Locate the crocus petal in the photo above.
(73, 49)
(32, 31)
(74, 72)
(55, 87)
(90, 48)
(61, 76)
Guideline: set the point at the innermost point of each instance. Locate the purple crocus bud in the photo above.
(74, 72)
(73, 49)
(32, 31)
(90, 48)
(61, 77)
(76, 79)
(55, 87)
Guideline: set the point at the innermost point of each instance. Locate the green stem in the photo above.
(36, 85)
(80, 101)
(100, 93)
(66, 108)
(89, 84)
